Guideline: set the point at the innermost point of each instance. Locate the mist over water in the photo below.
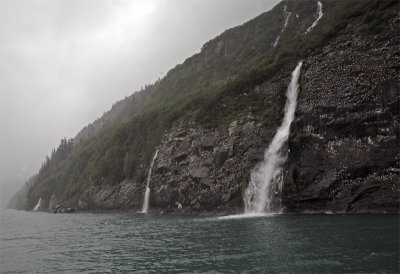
(262, 194)
(125, 242)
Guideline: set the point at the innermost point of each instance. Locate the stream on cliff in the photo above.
(127, 242)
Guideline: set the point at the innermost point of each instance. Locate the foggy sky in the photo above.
(64, 62)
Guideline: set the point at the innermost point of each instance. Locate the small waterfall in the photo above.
(37, 205)
(320, 14)
(266, 178)
(287, 14)
(147, 193)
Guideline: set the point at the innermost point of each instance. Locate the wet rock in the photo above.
(226, 197)
(181, 156)
(178, 205)
(247, 128)
(185, 145)
(207, 182)
(207, 142)
(127, 194)
(231, 151)
(267, 133)
(163, 165)
(257, 154)
(207, 161)
(162, 196)
(181, 133)
(232, 128)
(220, 158)
(199, 172)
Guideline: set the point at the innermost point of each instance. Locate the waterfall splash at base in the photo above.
(147, 193)
(39, 203)
(263, 195)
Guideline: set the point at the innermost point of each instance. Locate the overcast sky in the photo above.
(64, 62)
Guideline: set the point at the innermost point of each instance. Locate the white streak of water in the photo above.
(246, 215)
(37, 205)
(266, 178)
(320, 14)
(147, 193)
(287, 14)
(277, 40)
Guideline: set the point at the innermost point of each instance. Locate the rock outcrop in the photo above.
(344, 146)
(207, 170)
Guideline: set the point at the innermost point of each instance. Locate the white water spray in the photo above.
(266, 178)
(37, 205)
(287, 14)
(147, 193)
(320, 14)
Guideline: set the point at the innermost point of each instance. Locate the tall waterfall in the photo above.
(37, 205)
(320, 14)
(287, 14)
(147, 193)
(266, 178)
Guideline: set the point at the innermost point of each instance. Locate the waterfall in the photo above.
(266, 178)
(284, 25)
(320, 14)
(147, 193)
(37, 205)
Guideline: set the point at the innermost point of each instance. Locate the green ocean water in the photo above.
(144, 243)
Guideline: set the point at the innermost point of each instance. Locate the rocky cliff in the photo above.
(344, 146)
(343, 150)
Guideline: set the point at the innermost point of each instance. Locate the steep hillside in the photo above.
(219, 61)
(344, 148)
(212, 117)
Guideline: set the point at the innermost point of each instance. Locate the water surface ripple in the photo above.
(131, 242)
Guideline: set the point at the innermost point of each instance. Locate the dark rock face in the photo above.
(213, 173)
(198, 172)
(125, 195)
(207, 142)
(247, 128)
(344, 143)
(221, 157)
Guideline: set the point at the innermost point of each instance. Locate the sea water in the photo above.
(133, 242)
